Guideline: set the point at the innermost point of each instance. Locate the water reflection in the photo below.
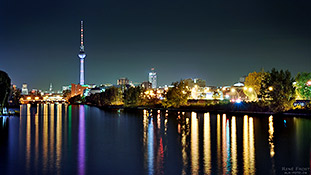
(150, 146)
(37, 135)
(28, 138)
(248, 145)
(184, 143)
(218, 144)
(52, 138)
(179, 143)
(225, 156)
(271, 143)
(153, 142)
(194, 143)
(59, 139)
(271, 131)
(45, 137)
(234, 146)
(81, 144)
(207, 144)
(42, 145)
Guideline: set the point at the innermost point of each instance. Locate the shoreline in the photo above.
(299, 112)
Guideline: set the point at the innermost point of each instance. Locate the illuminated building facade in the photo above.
(24, 89)
(77, 89)
(123, 81)
(81, 55)
(146, 85)
(153, 78)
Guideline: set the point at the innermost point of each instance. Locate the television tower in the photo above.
(81, 55)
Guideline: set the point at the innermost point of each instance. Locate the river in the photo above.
(79, 139)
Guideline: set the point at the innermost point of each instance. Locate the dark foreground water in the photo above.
(61, 139)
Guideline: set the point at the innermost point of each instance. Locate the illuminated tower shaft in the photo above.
(81, 55)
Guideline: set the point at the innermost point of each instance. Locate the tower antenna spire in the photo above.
(81, 43)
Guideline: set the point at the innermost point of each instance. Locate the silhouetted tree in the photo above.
(5, 84)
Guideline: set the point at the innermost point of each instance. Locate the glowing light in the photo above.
(194, 143)
(59, 138)
(36, 98)
(150, 147)
(245, 88)
(218, 142)
(309, 83)
(45, 137)
(246, 146)
(250, 89)
(232, 90)
(52, 137)
(28, 138)
(81, 142)
(234, 146)
(207, 144)
(270, 88)
(28, 98)
(271, 131)
(238, 101)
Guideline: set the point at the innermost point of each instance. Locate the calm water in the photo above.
(61, 139)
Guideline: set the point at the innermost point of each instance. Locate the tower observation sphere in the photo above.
(82, 55)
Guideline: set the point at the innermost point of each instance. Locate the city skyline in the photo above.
(215, 41)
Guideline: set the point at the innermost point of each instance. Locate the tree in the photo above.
(15, 96)
(189, 82)
(177, 95)
(200, 82)
(66, 94)
(112, 96)
(253, 84)
(133, 96)
(5, 84)
(277, 90)
(303, 85)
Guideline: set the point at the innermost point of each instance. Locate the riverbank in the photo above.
(231, 108)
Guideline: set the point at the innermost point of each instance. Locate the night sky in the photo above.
(216, 40)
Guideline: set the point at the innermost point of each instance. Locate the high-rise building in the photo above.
(123, 81)
(153, 78)
(24, 89)
(146, 85)
(81, 55)
(51, 87)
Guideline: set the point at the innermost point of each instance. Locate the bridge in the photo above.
(31, 99)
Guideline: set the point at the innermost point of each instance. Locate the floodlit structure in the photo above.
(153, 78)
(24, 89)
(123, 81)
(81, 55)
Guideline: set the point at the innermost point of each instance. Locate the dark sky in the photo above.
(216, 40)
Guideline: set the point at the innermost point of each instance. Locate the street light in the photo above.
(250, 89)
